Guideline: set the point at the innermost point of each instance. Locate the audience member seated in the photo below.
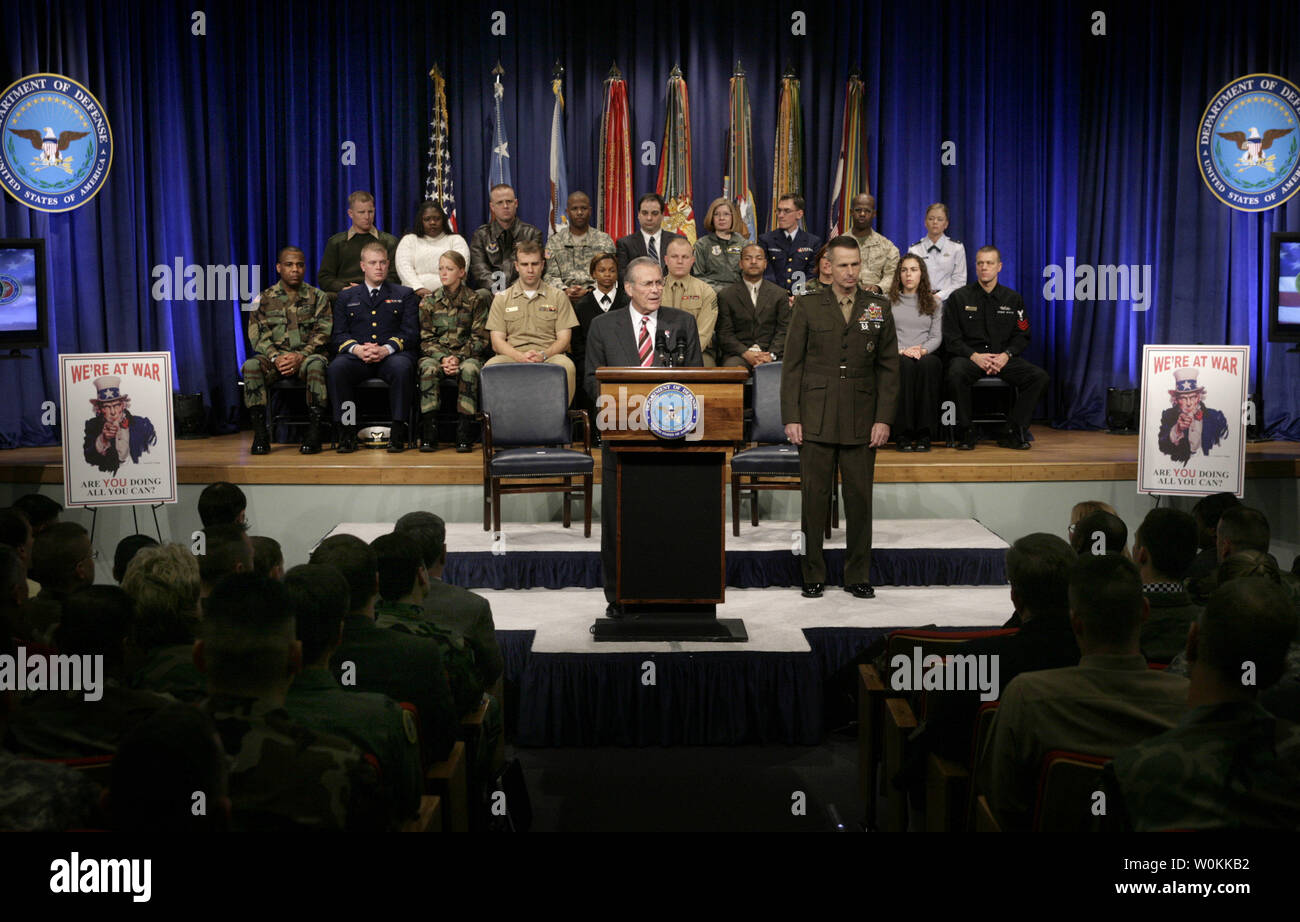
(16, 532)
(223, 503)
(531, 321)
(1038, 568)
(62, 562)
(164, 584)
(283, 776)
(790, 249)
(687, 293)
(753, 315)
(13, 593)
(90, 720)
(452, 606)
(421, 248)
(494, 246)
(41, 511)
(823, 279)
(371, 659)
(985, 332)
(161, 763)
(126, 550)
(878, 253)
(945, 258)
(1240, 528)
(570, 250)
(607, 295)
(1163, 548)
(268, 559)
(1108, 702)
(918, 318)
(227, 549)
(649, 239)
(1207, 511)
(1229, 763)
(340, 264)
(718, 253)
(453, 343)
(40, 796)
(1100, 533)
(373, 723)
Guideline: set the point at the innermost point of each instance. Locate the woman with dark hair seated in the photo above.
(918, 317)
(420, 249)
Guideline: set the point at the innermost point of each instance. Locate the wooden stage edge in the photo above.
(1056, 456)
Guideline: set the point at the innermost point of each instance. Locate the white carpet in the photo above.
(774, 618)
(769, 536)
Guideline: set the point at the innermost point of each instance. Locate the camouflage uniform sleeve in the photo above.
(430, 335)
(259, 331)
(322, 326)
(367, 810)
(480, 342)
(553, 275)
(403, 759)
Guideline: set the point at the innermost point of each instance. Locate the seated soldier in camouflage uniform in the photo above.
(164, 583)
(452, 344)
(571, 249)
(289, 332)
(283, 776)
(403, 584)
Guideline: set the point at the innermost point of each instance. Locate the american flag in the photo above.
(439, 187)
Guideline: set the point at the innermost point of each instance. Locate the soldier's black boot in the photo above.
(347, 439)
(464, 441)
(261, 438)
(397, 438)
(311, 441)
(428, 432)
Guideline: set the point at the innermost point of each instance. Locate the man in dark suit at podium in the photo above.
(627, 338)
(839, 392)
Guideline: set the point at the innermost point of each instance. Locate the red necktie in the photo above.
(643, 346)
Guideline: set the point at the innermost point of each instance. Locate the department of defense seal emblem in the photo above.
(1248, 142)
(10, 289)
(671, 410)
(56, 146)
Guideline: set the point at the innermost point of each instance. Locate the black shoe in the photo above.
(311, 441)
(1014, 439)
(967, 440)
(904, 444)
(347, 440)
(861, 590)
(428, 432)
(397, 438)
(922, 444)
(617, 612)
(812, 590)
(464, 441)
(261, 437)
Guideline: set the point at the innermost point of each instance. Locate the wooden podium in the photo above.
(670, 495)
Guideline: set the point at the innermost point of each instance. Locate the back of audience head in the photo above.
(268, 559)
(1100, 531)
(41, 511)
(222, 503)
(1247, 564)
(164, 584)
(1207, 511)
(319, 597)
(430, 533)
(1165, 542)
(62, 557)
(127, 548)
(161, 762)
(357, 564)
(1088, 507)
(16, 532)
(1243, 634)
(247, 644)
(1241, 528)
(400, 563)
(226, 550)
(95, 622)
(1107, 607)
(1038, 568)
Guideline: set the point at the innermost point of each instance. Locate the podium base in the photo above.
(661, 628)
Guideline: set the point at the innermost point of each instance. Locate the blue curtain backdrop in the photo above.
(230, 144)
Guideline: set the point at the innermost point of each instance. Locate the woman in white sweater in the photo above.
(418, 252)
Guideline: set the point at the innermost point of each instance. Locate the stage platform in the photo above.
(1057, 455)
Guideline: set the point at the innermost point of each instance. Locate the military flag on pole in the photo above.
(614, 191)
(499, 169)
(675, 160)
(559, 162)
(851, 171)
(787, 161)
(438, 185)
(736, 184)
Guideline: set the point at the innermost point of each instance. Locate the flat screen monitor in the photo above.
(1284, 287)
(23, 309)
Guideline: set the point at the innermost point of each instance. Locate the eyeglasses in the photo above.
(781, 210)
(657, 283)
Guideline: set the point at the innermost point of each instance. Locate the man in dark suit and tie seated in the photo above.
(753, 314)
(376, 324)
(622, 338)
(647, 241)
(790, 249)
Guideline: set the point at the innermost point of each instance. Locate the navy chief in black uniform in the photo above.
(376, 325)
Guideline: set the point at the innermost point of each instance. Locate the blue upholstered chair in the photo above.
(768, 466)
(526, 424)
